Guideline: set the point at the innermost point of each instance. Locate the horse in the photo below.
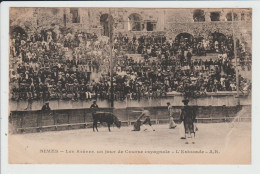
(107, 117)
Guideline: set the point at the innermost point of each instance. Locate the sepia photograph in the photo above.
(107, 85)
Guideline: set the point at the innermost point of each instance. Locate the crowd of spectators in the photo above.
(54, 65)
(155, 46)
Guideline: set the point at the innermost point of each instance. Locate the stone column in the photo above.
(223, 16)
(239, 16)
(145, 26)
(207, 16)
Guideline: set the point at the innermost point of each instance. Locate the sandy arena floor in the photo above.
(216, 138)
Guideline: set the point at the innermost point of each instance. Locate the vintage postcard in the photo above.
(102, 85)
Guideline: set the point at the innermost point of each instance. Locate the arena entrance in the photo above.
(218, 40)
(104, 21)
(184, 38)
(135, 22)
(216, 36)
(17, 29)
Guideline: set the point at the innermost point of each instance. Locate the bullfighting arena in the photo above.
(217, 142)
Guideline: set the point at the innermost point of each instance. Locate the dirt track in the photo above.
(221, 138)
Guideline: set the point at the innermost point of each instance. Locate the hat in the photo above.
(185, 101)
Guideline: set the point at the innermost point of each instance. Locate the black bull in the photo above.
(107, 117)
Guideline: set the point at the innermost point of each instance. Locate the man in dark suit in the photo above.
(189, 55)
(188, 117)
(46, 107)
(94, 107)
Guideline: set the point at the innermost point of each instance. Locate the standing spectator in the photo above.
(94, 107)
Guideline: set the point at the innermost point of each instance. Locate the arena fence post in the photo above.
(128, 121)
(224, 111)
(210, 113)
(69, 119)
(21, 122)
(156, 118)
(227, 114)
(84, 117)
(39, 121)
(54, 117)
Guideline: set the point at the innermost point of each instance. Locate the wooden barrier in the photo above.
(37, 121)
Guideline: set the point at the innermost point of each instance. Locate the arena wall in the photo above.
(33, 121)
(217, 99)
(170, 21)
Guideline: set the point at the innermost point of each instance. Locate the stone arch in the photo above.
(184, 37)
(217, 36)
(17, 29)
(217, 39)
(229, 16)
(104, 22)
(135, 21)
(215, 16)
(198, 15)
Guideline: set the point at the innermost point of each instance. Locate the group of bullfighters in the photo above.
(187, 117)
